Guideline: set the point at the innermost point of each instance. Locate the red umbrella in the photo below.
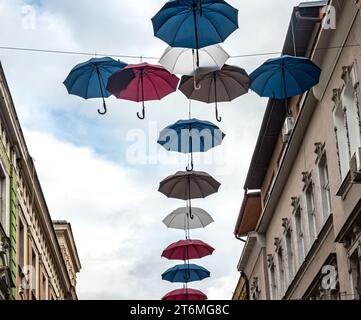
(142, 82)
(187, 249)
(185, 294)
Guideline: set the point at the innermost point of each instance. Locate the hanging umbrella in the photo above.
(284, 77)
(189, 185)
(147, 82)
(187, 249)
(185, 273)
(188, 136)
(195, 23)
(185, 294)
(180, 219)
(224, 85)
(89, 79)
(182, 60)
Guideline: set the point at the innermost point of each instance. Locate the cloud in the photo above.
(113, 205)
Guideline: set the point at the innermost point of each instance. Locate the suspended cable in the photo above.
(238, 56)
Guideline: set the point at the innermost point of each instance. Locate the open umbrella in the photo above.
(147, 82)
(224, 85)
(182, 60)
(184, 273)
(187, 250)
(284, 77)
(186, 185)
(185, 294)
(188, 136)
(180, 219)
(89, 79)
(195, 23)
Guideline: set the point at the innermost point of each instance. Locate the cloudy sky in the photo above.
(101, 173)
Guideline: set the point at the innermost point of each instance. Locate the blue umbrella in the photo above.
(195, 23)
(188, 136)
(185, 273)
(89, 79)
(284, 77)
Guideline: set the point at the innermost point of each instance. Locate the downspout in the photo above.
(239, 238)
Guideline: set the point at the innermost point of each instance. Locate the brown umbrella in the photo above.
(218, 86)
(187, 185)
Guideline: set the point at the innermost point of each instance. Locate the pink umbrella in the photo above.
(185, 294)
(187, 249)
(142, 82)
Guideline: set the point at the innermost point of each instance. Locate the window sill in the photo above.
(345, 187)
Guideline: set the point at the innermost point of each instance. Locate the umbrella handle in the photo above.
(219, 118)
(191, 168)
(196, 87)
(141, 117)
(104, 107)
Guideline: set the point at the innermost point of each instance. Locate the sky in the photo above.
(101, 173)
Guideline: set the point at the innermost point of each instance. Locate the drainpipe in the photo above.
(240, 239)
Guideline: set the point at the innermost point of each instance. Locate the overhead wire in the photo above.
(128, 56)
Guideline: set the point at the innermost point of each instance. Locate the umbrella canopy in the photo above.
(187, 249)
(185, 273)
(284, 77)
(181, 219)
(191, 135)
(188, 185)
(89, 79)
(185, 294)
(195, 23)
(182, 60)
(224, 85)
(142, 82)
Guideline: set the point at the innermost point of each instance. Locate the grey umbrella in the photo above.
(180, 219)
(189, 185)
(218, 86)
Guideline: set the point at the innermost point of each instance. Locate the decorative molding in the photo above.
(336, 96)
(278, 245)
(319, 150)
(306, 179)
(286, 224)
(295, 203)
(254, 288)
(346, 73)
(270, 261)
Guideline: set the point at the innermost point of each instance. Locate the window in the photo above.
(346, 119)
(34, 275)
(355, 275)
(311, 213)
(324, 187)
(272, 277)
(299, 237)
(289, 256)
(44, 286)
(3, 215)
(281, 272)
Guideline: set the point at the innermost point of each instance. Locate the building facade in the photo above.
(38, 259)
(301, 212)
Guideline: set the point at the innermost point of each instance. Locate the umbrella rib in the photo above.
(187, 14)
(159, 75)
(221, 13)
(167, 20)
(214, 27)
(200, 189)
(152, 84)
(225, 88)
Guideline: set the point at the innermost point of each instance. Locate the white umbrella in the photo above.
(180, 219)
(182, 60)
